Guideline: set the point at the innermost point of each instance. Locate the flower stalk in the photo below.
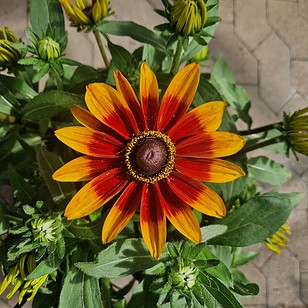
(177, 57)
(261, 129)
(263, 144)
(101, 47)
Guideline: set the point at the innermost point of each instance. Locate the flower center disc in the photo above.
(150, 156)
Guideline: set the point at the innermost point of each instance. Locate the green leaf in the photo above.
(243, 257)
(142, 297)
(29, 61)
(268, 171)
(87, 231)
(48, 104)
(222, 70)
(83, 76)
(223, 80)
(47, 266)
(3, 222)
(192, 50)
(47, 16)
(41, 73)
(212, 231)
(210, 292)
(8, 103)
(23, 190)
(119, 259)
(121, 57)
(80, 291)
(20, 89)
(220, 271)
(206, 92)
(248, 289)
(133, 30)
(32, 36)
(256, 220)
(48, 163)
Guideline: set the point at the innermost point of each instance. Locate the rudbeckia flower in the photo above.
(151, 157)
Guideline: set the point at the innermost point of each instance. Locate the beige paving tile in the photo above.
(12, 11)
(254, 275)
(262, 114)
(226, 11)
(251, 14)
(274, 72)
(299, 77)
(156, 4)
(79, 47)
(235, 53)
(287, 23)
(303, 9)
(282, 273)
(304, 288)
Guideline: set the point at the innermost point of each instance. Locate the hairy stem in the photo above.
(57, 78)
(177, 57)
(101, 47)
(263, 144)
(105, 289)
(260, 129)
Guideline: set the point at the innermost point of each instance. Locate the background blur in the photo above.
(266, 44)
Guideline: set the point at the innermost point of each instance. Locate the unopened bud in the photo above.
(48, 49)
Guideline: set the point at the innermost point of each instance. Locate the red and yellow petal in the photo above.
(85, 168)
(197, 195)
(96, 193)
(90, 142)
(152, 220)
(122, 211)
(178, 96)
(210, 145)
(128, 94)
(149, 96)
(208, 170)
(88, 120)
(205, 118)
(180, 214)
(108, 106)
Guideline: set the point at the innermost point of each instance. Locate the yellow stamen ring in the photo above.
(136, 142)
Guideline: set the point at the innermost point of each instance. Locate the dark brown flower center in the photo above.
(149, 156)
(88, 12)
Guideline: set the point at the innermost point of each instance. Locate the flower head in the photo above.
(8, 54)
(48, 49)
(154, 158)
(188, 16)
(84, 14)
(17, 278)
(279, 239)
(296, 127)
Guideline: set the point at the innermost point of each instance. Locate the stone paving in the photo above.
(266, 44)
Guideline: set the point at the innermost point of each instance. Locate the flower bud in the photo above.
(8, 54)
(46, 230)
(184, 274)
(48, 49)
(188, 16)
(201, 55)
(83, 14)
(296, 127)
